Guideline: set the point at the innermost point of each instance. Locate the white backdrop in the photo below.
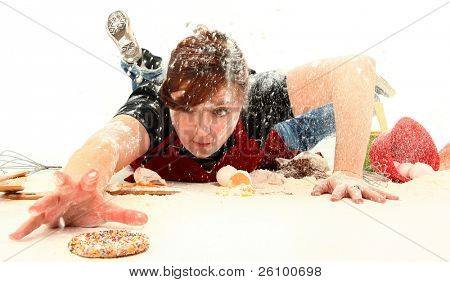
(54, 95)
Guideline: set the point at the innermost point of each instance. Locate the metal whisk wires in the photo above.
(11, 160)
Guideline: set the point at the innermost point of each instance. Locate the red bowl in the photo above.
(409, 142)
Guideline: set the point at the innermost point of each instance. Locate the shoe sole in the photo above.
(118, 27)
(117, 23)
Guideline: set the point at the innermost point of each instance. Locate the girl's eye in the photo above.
(221, 112)
(187, 110)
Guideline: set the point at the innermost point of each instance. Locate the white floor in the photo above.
(200, 225)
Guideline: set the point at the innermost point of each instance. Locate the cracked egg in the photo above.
(228, 176)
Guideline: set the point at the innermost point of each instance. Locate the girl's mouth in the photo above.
(202, 144)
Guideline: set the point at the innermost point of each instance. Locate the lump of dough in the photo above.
(317, 162)
(444, 155)
(144, 176)
(267, 176)
(420, 169)
(404, 168)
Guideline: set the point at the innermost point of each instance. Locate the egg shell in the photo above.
(224, 175)
(419, 169)
(404, 168)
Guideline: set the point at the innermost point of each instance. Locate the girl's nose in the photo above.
(204, 124)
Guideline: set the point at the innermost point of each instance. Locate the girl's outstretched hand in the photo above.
(341, 185)
(76, 204)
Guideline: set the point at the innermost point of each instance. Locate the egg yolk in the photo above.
(239, 178)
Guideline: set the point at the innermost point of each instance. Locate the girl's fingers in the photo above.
(373, 195)
(385, 194)
(90, 180)
(339, 192)
(355, 194)
(53, 214)
(31, 224)
(57, 222)
(342, 190)
(44, 204)
(63, 181)
(126, 216)
(321, 187)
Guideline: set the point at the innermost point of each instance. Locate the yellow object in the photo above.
(379, 111)
(239, 178)
(373, 135)
(382, 88)
(248, 191)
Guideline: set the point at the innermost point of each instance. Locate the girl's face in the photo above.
(203, 129)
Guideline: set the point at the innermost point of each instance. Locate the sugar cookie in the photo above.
(109, 244)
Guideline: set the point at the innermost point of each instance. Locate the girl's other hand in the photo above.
(341, 185)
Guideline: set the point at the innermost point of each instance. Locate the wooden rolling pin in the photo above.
(14, 174)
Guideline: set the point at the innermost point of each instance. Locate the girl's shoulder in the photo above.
(145, 105)
(267, 103)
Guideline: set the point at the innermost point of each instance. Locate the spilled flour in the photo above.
(277, 223)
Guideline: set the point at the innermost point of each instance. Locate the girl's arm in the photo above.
(78, 199)
(348, 83)
(120, 142)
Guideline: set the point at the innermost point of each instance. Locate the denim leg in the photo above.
(142, 75)
(306, 130)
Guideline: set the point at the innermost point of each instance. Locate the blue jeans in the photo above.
(302, 132)
(140, 76)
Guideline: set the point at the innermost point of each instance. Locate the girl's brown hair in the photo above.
(201, 65)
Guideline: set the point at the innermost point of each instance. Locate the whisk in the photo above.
(375, 179)
(11, 160)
